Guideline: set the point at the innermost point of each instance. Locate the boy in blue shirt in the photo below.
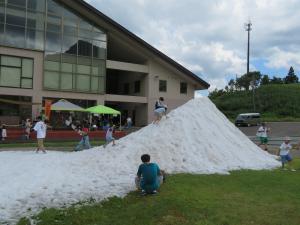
(148, 176)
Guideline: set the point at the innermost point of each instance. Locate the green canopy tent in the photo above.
(101, 109)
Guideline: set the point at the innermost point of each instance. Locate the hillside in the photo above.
(274, 102)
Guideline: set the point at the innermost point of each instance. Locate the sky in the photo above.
(208, 37)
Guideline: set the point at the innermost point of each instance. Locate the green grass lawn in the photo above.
(244, 198)
(49, 144)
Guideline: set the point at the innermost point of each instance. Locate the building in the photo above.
(53, 49)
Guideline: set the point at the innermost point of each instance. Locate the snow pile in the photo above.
(195, 138)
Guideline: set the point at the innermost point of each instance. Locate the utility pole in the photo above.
(248, 29)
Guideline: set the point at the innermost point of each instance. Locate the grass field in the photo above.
(241, 198)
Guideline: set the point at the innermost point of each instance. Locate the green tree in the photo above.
(265, 80)
(291, 77)
(231, 84)
(246, 80)
(276, 80)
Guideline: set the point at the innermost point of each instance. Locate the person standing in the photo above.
(41, 129)
(128, 122)
(284, 152)
(27, 128)
(262, 133)
(109, 136)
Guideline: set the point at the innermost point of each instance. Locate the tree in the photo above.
(231, 84)
(291, 77)
(265, 80)
(276, 80)
(246, 80)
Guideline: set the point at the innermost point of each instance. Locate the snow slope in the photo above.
(196, 138)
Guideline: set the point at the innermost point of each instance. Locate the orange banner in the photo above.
(48, 104)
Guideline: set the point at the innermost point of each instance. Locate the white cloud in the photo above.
(208, 37)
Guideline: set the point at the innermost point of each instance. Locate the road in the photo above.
(278, 130)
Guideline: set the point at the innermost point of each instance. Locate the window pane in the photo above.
(99, 49)
(85, 25)
(162, 85)
(85, 47)
(10, 77)
(95, 84)
(1, 33)
(15, 36)
(1, 13)
(83, 69)
(100, 36)
(35, 39)
(27, 68)
(54, 8)
(50, 65)
(83, 82)
(183, 87)
(10, 61)
(52, 56)
(101, 84)
(15, 16)
(67, 67)
(70, 44)
(53, 41)
(38, 5)
(137, 86)
(20, 3)
(69, 58)
(26, 83)
(35, 20)
(51, 80)
(100, 65)
(66, 81)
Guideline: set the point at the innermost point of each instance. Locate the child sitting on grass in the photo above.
(284, 152)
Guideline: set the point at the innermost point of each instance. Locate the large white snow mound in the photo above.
(195, 138)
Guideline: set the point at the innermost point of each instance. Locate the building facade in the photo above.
(51, 49)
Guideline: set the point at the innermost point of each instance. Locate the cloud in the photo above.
(208, 37)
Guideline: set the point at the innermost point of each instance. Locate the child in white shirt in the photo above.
(284, 152)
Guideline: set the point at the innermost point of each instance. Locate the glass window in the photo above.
(10, 61)
(67, 67)
(183, 87)
(137, 86)
(1, 32)
(100, 36)
(27, 68)
(162, 85)
(95, 84)
(38, 5)
(83, 82)
(1, 13)
(85, 47)
(69, 58)
(101, 84)
(15, 36)
(98, 67)
(66, 81)
(21, 3)
(85, 25)
(83, 69)
(35, 39)
(35, 20)
(15, 16)
(26, 83)
(52, 56)
(99, 49)
(51, 80)
(10, 77)
(53, 41)
(50, 65)
(54, 8)
(126, 89)
(70, 44)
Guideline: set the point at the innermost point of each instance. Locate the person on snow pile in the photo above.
(109, 136)
(149, 176)
(284, 152)
(41, 130)
(160, 110)
(85, 140)
(3, 132)
(262, 133)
